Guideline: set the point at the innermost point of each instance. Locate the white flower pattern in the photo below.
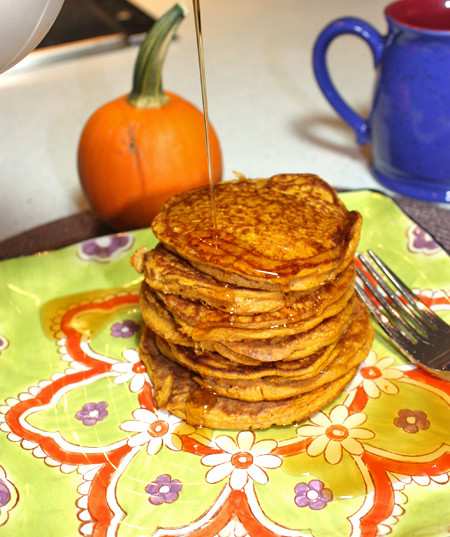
(133, 369)
(334, 433)
(375, 376)
(155, 429)
(242, 460)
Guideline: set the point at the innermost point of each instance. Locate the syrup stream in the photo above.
(201, 61)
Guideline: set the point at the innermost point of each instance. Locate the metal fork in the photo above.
(422, 336)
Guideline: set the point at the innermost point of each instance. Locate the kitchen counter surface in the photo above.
(264, 102)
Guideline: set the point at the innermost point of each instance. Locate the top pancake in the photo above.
(288, 232)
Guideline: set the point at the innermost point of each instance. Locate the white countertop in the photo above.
(263, 99)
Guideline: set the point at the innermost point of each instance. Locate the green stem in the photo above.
(147, 89)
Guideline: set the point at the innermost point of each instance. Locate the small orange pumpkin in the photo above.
(137, 151)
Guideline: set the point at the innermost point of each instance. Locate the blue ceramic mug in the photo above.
(409, 125)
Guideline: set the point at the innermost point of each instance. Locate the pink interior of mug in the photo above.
(421, 14)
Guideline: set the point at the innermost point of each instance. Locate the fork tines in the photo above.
(408, 321)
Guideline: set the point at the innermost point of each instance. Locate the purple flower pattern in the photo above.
(163, 489)
(125, 329)
(3, 343)
(420, 242)
(92, 413)
(104, 248)
(5, 494)
(423, 240)
(313, 495)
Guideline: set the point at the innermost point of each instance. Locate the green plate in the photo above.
(84, 451)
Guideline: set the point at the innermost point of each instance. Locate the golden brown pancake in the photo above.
(190, 318)
(177, 392)
(254, 322)
(215, 365)
(294, 307)
(350, 351)
(329, 363)
(288, 232)
(288, 348)
(167, 272)
(248, 352)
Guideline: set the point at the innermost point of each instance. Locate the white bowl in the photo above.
(23, 24)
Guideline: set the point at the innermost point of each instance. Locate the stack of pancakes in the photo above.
(255, 321)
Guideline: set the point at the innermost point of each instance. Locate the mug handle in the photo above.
(346, 25)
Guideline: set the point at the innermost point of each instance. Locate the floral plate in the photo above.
(84, 451)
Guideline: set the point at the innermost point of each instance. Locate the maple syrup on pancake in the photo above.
(201, 62)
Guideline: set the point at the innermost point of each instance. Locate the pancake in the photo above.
(350, 351)
(190, 317)
(177, 392)
(294, 308)
(167, 272)
(211, 365)
(288, 348)
(215, 365)
(249, 352)
(288, 232)
(254, 322)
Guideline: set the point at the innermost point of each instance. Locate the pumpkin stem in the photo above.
(147, 89)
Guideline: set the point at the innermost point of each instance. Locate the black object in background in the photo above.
(80, 20)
